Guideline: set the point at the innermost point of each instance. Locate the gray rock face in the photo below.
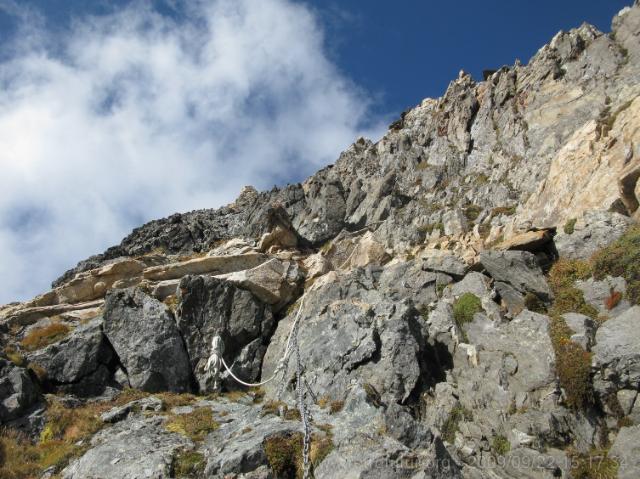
(444, 263)
(584, 329)
(138, 447)
(147, 342)
(595, 230)
(474, 283)
(18, 393)
(408, 280)
(366, 338)
(211, 306)
(274, 282)
(523, 349)
(81, 364)
(596, 293)
(246, 422)
(525, 150)
(616, 355)
(511, 299)
(626, 449)
(518, 268)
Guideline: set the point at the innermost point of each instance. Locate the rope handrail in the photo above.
(216, 359)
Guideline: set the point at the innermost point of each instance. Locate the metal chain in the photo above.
(302, 407)
(302, 386)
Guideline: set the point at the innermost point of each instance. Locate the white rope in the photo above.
(216, 359)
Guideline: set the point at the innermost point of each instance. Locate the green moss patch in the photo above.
(569, 226)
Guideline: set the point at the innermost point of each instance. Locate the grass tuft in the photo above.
(195, 425)
(464, 308)
(595, 464)
(500, 445)
(284, 453)
(451, 425)
(189, 464)
(40, 337)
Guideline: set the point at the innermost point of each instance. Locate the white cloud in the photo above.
(136, 115)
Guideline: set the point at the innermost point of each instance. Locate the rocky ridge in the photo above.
(460, 313)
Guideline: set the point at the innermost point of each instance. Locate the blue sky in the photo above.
(410, 51)
(115, 112)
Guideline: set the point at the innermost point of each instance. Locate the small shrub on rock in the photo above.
(500, 445)
(465, 307)
(533, 303)
(189, 464)
(612, 300)
(284, 453)
(573, 364)
(451, 425)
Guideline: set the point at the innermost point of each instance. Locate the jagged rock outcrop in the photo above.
(367, 337)
(83, 363)
(146, 340)
(18, 393)
(517, 268)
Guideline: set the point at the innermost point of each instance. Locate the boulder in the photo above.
(274, 282)
(137, 447)
(164, 289)
(518, 268)
(602, 295)
(209, 307)
(616, 354)
(205, 265)
(119, 413)
(510, 298)
(147, 342)
(316, 265)
(81, 364)
(367, 251)
(18, 393)
(443, 262)
(367, 338)
(475, 283)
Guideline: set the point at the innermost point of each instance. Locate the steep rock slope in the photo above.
(457, 300)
